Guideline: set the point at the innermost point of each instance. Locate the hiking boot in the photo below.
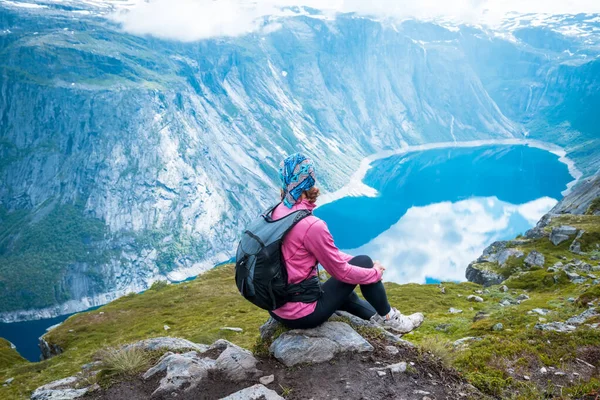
(397, 322)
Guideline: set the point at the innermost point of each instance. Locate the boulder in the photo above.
(256, 392)
(318, 344)
(62, 389)
(561, 233)
(482, 276)
(498, 327)
(534, 259)
(168, 343)
(237, 364)
(187, 369)
(522, 297)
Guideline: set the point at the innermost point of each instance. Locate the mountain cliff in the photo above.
(126, 159)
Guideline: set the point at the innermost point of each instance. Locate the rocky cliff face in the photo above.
(165, 150)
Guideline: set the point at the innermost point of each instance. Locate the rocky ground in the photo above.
(331, 361)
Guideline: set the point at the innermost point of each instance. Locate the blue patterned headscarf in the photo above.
(297, 175)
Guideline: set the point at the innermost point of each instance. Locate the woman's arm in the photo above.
(319, 242)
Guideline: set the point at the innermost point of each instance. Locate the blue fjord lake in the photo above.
(435, 212)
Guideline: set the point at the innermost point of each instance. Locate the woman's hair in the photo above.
(311, 194)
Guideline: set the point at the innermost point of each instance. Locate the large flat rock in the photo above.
(319, 344)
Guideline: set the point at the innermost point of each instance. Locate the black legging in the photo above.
(338, 295)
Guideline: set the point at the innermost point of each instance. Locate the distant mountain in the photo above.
(129, 159)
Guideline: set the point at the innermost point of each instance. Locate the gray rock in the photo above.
(221, 344)
(453, 310)
(168, 343)
(503, 288)
(381, 373)
(560, 327)
(540, 311)
(317, 345)
(464, 341)
(267, 330)
(575, 247)
(522, 297)
(61, 389)
(490, 253)
(233, 329)
(474, 298)
(505, 254)
(482, 276)
(187, 369)
(561, 233)
(392, 350)
(584, 316)
(505, 303)
(394, 368)
(534, 259)
(267, 380)
(256, 392)
(9, 381)
(498, 327)
(572, 275)
(237, 364)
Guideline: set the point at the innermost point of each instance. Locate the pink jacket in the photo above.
(308, 242)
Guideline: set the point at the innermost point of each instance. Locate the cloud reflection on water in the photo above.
(439, 240)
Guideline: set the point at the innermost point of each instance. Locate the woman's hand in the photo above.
(377, 265)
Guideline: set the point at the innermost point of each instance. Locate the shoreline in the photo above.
(356, 187)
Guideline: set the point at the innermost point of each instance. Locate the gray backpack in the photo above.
(260, 273)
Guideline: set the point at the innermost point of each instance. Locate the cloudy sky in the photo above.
(190, 20)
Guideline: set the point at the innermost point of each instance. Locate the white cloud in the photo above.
(190, 20)
(439, 240)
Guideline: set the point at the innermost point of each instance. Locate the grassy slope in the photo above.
(8, 356)
(197, 309)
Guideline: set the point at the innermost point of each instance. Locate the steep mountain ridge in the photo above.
(161, 151)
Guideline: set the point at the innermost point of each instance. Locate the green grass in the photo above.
(594, 206)
(9, 356)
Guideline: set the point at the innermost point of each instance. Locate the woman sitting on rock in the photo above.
(309, 242)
